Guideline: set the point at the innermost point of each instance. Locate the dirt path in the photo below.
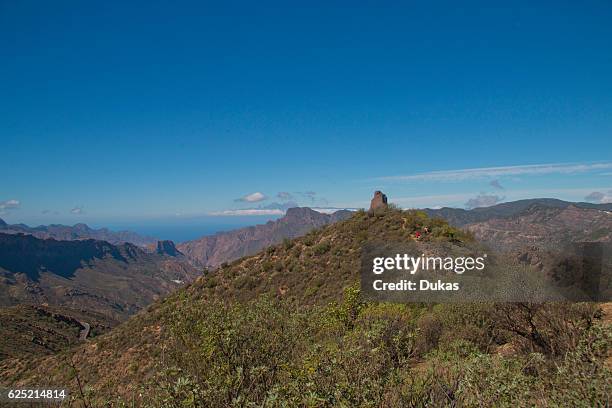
(84, 331)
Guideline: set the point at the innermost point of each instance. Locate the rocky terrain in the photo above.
(541, 225)
(38, 330)
(115, 280)
(211, 251)
(76, 232)
(287, 327)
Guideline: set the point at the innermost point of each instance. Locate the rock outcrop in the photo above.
(379, 201)
(167, 247)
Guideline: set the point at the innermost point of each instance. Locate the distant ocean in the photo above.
(186, 231)
(176, 233)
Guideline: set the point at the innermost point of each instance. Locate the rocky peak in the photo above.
(2, 223)
(300, 212)
(379, 201)
(167, 247)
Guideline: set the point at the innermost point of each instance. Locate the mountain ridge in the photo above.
(213, 250)
(76, 232)
(116, 280)
(460, 217)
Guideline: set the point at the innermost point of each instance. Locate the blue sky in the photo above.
(173, 111)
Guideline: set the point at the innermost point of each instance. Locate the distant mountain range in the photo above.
(460, 217)
(115, 280)
(211, 251)
(76, 232)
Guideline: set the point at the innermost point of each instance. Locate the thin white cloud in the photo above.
(493, 172)
(456, 200)
(77, 210)
(9, 205)
(251, 211)
(252, 198)
(599, 197)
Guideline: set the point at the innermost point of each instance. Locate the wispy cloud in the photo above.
(599, 197)
(9, 205)
(459, 199)
(77, 210)
(483, 200)
(494, 172)
(284, 195)
(248, 211)
(252, 198)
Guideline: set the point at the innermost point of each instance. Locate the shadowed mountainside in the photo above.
(30, 255)
(116, 280)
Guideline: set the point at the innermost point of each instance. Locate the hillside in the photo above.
(76, 232)
(115, 280)
(287, 327)
(212, 251)
(313, 269)
(541, 225)
(29, 331)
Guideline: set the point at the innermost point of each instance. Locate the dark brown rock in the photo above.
(167, 247)
(379, 201)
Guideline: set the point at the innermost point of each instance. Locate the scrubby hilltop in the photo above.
(287, 327)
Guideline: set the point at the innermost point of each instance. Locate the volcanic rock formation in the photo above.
(379, 201)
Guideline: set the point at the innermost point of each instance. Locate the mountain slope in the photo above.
(116, 280)
(76, 232)
(275, 329)
(541, 225)
(311, 270)
(29, 331)
(212, 251)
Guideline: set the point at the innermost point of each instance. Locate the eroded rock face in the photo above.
(167, 247)
(379, 201)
